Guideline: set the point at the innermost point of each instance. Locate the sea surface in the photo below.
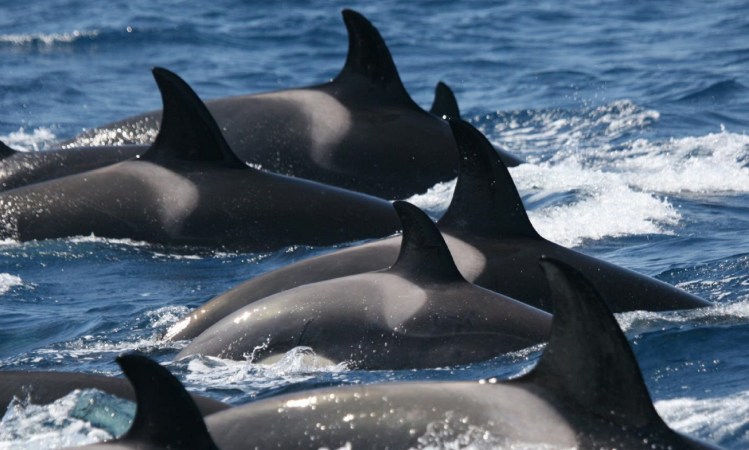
(632, 116)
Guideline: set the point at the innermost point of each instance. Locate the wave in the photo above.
(8, 281)
(714, 163)
(716, 92)
(51, 39)
(723, 420)
(533, 132)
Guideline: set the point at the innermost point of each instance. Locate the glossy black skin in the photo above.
(42, 388)
(378, 321)
(193, 204)
(23, 168)
(490, 238)
(361, 131)
(190, 189)
(585, 392)
(419, 313)
(396, 415)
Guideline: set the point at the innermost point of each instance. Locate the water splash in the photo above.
(723, 420)
(81, 417)
(39, 139)
(8, 281)
(296, 366)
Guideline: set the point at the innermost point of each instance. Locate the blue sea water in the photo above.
(632, 116)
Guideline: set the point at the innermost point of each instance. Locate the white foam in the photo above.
(47, 39)
(436, 199)
(38, 139)
(714, 163)
(91, 238)
(29, 426)
(716, 419)
(297, 365)
(717, 314)
(602, 204)
(8, 281)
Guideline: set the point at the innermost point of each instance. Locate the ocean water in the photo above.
(632, 117)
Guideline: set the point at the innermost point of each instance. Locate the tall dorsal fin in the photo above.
(423, 253)
(369, 57)
(188, 132)
(165, 414)
(588, 362)
(485, 200)
(5, 151)
(445, 104)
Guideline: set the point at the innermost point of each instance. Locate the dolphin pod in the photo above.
(190, 189)
(490, 237)
(361, 131)
(19, 168)
(586, 392)
(419, 313)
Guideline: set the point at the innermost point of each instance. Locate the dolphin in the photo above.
(46, 387)
(166, 417)
(489, 235)
(586, 392)
(419, 313)
(360, 131)
(22, 168)
(445, 104)
(190, 189)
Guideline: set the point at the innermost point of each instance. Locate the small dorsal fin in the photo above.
(5, 151)
(588, 362)
(485, 200)
(188, 132)
(423, 252)
(445, 105)
(369, 57)
(165, 413)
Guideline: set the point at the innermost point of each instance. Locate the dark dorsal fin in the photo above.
(165, 414)
(423, 254)
(485, 201)
(5, 151)
(588, 362)
(369, 57)
(445, 105)
(188, 131)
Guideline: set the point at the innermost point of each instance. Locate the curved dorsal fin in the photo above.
(5, 151)
(188, 132)
(165, 414)
(588, 362)
(423, 253)
(485, 200)
(445, 104)
(369, 57)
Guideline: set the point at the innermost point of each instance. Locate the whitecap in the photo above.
(47, 39)
(8, 281)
